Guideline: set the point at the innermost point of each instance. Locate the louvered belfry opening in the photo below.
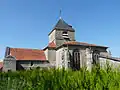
(76, 59)
(65, 35)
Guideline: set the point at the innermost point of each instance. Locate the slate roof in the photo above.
(27, 54)
(82, 44)
(61, 24)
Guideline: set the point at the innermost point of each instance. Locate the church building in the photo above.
(62, 51)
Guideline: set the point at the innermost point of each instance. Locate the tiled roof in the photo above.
(52, 44)
(81, 43)
(27, 54)
(1, 65)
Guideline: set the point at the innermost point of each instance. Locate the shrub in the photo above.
(61, 79)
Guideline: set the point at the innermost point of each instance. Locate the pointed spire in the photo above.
(61, 24)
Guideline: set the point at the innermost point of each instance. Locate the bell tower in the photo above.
(61, 33)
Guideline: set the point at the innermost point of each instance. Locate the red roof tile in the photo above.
(81, 43)
(1, 65)
(52, 44)
(27, 54)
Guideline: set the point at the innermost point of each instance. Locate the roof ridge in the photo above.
(28, 54)
(26, 48)
(84, 43)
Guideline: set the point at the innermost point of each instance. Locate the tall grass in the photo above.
(61, 79)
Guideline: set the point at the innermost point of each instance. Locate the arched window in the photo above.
(95, 56)
(76, 59)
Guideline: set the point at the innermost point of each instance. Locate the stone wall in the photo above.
(61, 55)
(57, 36)
(71, 34)
(31, 64)
(112, 63)
(59, 58)
(46, 53)
(85, 55)
(52, 36)
(52, 56)
(59, 42)
(9, 64)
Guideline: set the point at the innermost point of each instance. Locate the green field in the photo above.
(60, 79)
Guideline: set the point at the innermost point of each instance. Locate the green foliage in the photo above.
(61, 79)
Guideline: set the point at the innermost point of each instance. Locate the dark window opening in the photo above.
(76, 59)
(9, 70)
(31, 63)
(65, 32)
(95, 56)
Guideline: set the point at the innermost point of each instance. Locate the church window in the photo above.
(76, 59)
(95, 56)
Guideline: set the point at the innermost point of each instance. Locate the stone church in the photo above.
(62, 51)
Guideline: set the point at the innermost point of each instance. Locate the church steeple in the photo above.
(61, 32)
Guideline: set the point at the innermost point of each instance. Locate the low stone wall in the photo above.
(112, 63)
